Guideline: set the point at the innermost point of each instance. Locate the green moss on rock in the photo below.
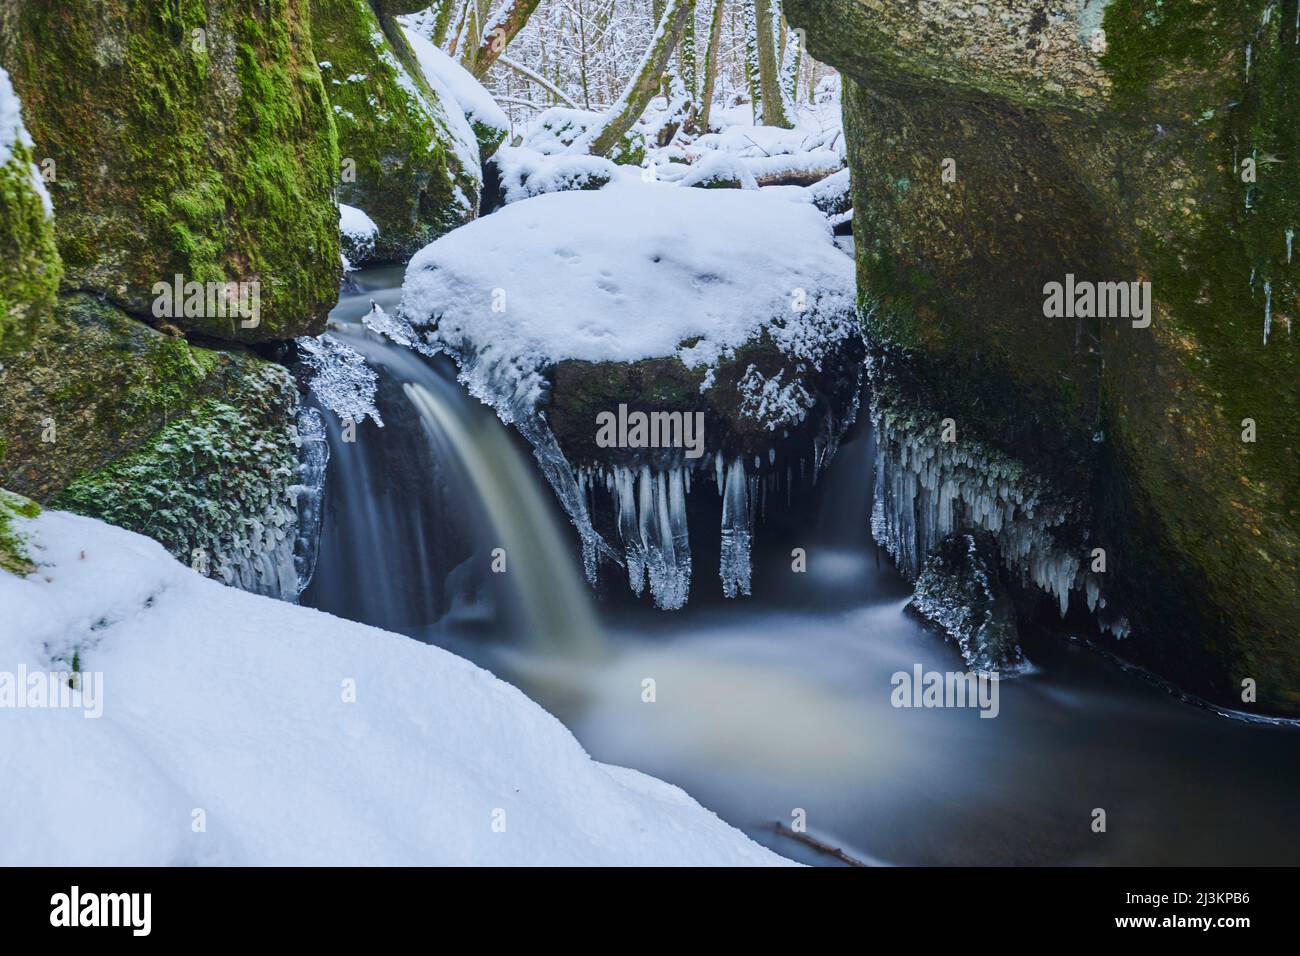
(188, 138)
(1133, 171)
(94, 387)
(13, 545)
(400, 164)
(29, 260)
(212, 486)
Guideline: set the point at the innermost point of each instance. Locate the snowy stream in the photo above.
(775, 708)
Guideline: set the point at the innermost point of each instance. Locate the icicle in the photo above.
(628, 530)
(1290, 239)
(1268, 310)
(736, 534)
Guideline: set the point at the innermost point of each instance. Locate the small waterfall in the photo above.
(415, 510)
(532, 545)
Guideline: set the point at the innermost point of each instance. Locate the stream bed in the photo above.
(777, 709)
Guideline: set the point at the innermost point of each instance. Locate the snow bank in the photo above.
(629, 272)
(225, 737)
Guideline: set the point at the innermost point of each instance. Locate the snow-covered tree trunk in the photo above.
(791, 61)
(504, 27)
(767, 16)
(645, 82)
(710, 75)
(749, 9)
(686, 54)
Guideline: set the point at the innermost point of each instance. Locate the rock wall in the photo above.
(996, 147)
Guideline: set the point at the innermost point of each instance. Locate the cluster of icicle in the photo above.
(926, 489)
(650, 507)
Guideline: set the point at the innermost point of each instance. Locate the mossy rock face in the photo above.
(29, 259)
(1132, 173)
(189, 138)
(1022, 51)
(400, 161)
(213, 486)
(96, 386)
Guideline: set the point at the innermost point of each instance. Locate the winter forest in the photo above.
(848, 433)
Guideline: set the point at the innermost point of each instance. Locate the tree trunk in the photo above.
(442, 23)
(609, 132)
(767, 16)
(504, 28)
(710, 67)
(751, 59)
(686, 54)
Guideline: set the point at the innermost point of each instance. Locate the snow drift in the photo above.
(226, 736)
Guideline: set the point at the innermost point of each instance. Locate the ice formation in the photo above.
(926, 489)
(309, 493)
(341, 381)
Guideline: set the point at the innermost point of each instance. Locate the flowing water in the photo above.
(778, 707)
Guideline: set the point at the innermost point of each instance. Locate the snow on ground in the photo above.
(224, 736)
(629, 272)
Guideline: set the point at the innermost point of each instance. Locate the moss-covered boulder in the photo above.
(409, 160)
(29, 260)
(193, 447)
(185, 138)
(998, 147)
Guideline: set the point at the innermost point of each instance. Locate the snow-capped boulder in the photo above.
(214, 727)
(719, 171)
(727, 308)
(359, 233)
(518, 172)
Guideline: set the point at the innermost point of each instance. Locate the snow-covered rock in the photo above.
(212, 726)
(523, 172)
(719, 171)
(728, 304)
(358, 233)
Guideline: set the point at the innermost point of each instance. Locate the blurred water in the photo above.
(780, 704)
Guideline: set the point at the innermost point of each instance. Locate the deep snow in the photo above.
(226, 707)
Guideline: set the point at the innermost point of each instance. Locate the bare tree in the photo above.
(710, 66)
(767, 16)
(607, 134)
(503, 28)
